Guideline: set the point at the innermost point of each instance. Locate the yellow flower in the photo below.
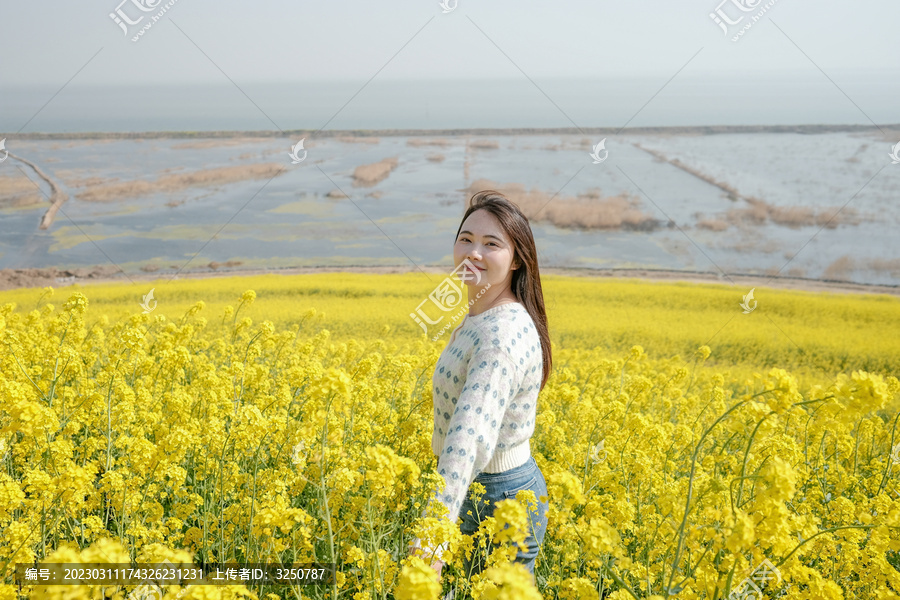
(870, 392)
(511, 522)
(105, 550)
(742, 534)
(577, 588)
(508, 581)
(387, 473)
(354, 555)
(785, 392)
(174, 434)
(76, 304)
(566, 488)
(8, 592)
(599, 537)
(418, 581)
(11, 496)
(781, 477)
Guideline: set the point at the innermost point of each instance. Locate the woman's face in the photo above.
(483, 242)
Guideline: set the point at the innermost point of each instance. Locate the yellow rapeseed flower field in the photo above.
(690, 450)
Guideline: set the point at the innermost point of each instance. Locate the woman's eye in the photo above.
(465, 239)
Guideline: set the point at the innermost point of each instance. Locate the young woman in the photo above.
(487, 379)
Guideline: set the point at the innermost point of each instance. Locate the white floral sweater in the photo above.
(486, 385)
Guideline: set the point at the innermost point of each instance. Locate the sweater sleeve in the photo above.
(474, 426)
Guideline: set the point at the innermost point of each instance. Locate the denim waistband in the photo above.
(523, 469)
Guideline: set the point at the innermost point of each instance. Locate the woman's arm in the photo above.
(474, 426)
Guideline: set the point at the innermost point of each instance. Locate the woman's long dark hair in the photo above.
(526, 280)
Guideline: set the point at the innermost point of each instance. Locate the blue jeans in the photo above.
(503, 486)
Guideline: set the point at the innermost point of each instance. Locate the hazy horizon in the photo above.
(460, 103)
(590, 65)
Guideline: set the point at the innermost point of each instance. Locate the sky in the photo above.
(205, 41)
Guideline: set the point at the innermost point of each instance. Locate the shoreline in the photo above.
(11, 279)
(670, 130)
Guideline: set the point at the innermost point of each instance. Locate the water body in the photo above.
(690, 98)
(411, 216)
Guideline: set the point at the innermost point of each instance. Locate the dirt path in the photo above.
(57, 195)
(33, 278)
